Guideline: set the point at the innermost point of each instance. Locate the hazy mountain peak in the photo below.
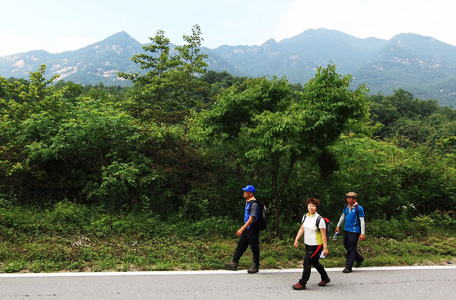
(120, 38)
(270, 42)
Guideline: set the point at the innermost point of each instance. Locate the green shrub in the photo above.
(398, 230)
(445, 218)
(67, 216)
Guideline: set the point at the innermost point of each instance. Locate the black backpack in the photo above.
(263, 218)
(317, 223)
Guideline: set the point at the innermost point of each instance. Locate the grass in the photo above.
(83, 240)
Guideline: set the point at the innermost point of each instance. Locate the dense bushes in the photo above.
(66, 219)
(88, 150)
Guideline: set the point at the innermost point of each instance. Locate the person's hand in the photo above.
(296, 243)
(239, 232)
(362, 237)
(325, 251)
(337, 229)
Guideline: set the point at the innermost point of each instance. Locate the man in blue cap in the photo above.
(249, 233)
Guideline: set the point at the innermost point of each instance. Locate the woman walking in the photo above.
(314, 228)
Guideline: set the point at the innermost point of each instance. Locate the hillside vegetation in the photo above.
(149, 177)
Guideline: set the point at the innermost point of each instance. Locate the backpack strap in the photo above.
(356, 209)
(259, 210)
(318, 221)
(303, 218)
(251, 202)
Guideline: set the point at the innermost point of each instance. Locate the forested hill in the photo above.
(422, 65)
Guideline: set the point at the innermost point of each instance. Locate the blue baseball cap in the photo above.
(249, 188)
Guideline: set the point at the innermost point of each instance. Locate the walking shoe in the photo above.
(358, 263)
(231, 266)
(253, 269)
(347, 270)
(298, 286)
(324, 282)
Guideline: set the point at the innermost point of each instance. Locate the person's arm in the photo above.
(299, 235)
(362, 223)
(341, 220)
(325, 242)
(247, 224)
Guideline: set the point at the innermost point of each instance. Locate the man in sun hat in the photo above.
(249, 233)
(353, 215)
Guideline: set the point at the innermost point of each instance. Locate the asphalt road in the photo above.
(365, 283)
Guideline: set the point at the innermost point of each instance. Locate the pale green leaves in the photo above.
(276, 134)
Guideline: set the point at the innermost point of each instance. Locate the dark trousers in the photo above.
(250, 237)
(350, 244)
(312, 258)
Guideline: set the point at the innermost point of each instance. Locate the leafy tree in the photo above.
(72, 90)
(25, 98)
(402, 114)
(191, 63)
(167, 75)
(20, 101)
(393, 182)
(283, 132)
(155, 85)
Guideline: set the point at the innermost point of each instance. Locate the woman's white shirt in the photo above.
(312, 236)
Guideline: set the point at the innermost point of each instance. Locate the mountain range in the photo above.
(421, 65)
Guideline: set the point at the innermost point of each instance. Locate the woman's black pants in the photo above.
(312, 259)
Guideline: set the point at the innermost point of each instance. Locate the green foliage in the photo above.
(237, 106)
(181, 146)
(392, 181)
(328, 104)
(169, 80)
(68, 216)
(398, 230)
(191, 63)
(410, 120)
(86, 150)
(157, 65)
(444, 219)
(155, 85)
(285, 132)
(85, 138)
(22, 99)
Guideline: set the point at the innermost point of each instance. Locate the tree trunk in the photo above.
(275, 188)
(276, 196)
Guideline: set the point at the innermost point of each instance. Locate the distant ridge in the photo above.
(421, 65)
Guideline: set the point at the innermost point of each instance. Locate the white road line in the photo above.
(213, 272)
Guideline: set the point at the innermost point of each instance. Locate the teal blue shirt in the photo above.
(352, 223)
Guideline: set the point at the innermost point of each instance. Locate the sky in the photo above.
(61, 25)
